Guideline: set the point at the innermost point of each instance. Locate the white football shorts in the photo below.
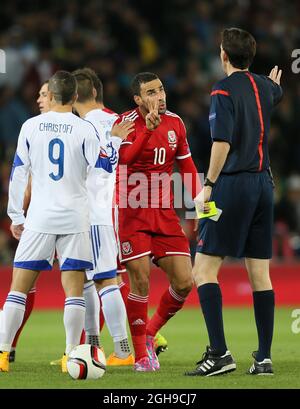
(36, 251)
(105, 251)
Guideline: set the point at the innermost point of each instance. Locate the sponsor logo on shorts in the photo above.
(200, 243)
(126, 248)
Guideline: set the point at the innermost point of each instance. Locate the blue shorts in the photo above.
(244, 229)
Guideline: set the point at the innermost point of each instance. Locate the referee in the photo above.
(240, 182)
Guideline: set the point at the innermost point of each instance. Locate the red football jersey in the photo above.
(146, 181)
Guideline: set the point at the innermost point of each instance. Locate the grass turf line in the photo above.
(43, 340)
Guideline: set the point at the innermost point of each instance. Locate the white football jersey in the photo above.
(56, 148)
(101, 184)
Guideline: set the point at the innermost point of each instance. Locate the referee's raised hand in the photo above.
(275, 75)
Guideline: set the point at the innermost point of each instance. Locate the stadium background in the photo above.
(178, 40)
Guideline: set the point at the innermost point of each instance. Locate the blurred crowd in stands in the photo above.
(178, 40)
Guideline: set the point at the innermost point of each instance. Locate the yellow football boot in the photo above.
(113, 360)
(4, 361)
(56, 362)
(64, 360)
(160, 343)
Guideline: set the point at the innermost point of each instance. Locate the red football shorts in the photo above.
(153, 232)
(120, 267)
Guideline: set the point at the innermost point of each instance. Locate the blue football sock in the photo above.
(264, 305)
(211, 302)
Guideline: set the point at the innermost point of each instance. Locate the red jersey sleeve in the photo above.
(133, 145)
(186, 164)
(183, 149)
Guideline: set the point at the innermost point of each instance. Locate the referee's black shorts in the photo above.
(244, 229)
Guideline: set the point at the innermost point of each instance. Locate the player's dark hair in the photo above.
(96, 82)
(85, 86)
(141, 78)
(63, 87)
(240, 47)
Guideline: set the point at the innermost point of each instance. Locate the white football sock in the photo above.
(92, 309)
(12, 317)
(114, 312)
(73, 321)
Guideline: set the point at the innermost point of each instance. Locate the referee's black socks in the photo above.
(264, 305)
(210, 298)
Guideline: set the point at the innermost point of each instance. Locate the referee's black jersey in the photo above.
(240, 114)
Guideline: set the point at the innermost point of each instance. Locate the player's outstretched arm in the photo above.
(119, 133)
(95, 152)
(122, 129)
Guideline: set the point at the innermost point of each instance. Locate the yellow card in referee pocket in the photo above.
(212, 211)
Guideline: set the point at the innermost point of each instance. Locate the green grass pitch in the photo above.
(43, 340)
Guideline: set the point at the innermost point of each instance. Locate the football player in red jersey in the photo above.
(160, 341)
(147, 223)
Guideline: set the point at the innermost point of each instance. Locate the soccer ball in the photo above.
(86, 362)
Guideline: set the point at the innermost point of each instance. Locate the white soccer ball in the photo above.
(86, 362)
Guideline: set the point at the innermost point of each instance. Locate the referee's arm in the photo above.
(221, 120)
(219, 152)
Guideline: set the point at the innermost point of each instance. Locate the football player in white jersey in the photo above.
(100, 188)
(56, 148)
(43, 103)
